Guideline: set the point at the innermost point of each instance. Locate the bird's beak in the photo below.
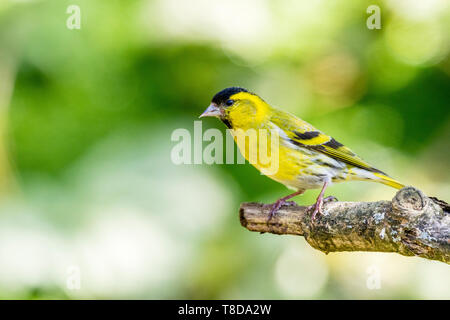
(212, 111)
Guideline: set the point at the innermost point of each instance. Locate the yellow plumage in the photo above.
(308, 158)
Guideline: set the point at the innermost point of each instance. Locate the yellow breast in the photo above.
(265, 150)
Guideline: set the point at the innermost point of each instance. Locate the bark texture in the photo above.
(412, 224)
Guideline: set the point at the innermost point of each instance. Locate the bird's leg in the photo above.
(277, 205)
(320, 201)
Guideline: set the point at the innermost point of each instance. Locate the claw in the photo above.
(317, 209)
(329, 199)
(320, 201)
(283, 201)
(318, 205)
(275, 207)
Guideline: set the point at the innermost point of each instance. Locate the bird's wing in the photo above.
(302, 134)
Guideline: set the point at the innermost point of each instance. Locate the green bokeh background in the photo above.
(88, 188)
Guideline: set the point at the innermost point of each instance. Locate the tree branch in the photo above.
(411, 224)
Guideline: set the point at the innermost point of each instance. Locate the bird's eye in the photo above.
(229, 102)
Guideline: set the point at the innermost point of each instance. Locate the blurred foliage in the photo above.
(87, 115)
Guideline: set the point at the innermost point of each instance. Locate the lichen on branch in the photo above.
(412, 224)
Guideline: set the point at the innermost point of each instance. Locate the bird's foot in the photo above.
(277, 205)
(318, 205)
(317, 209)
(283, 201)
(330, 199)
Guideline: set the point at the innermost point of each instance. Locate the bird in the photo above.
(307, 157)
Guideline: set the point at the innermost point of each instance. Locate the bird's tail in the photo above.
(389, 181)
(397, 185)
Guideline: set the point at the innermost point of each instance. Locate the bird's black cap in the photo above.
(225, 94)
